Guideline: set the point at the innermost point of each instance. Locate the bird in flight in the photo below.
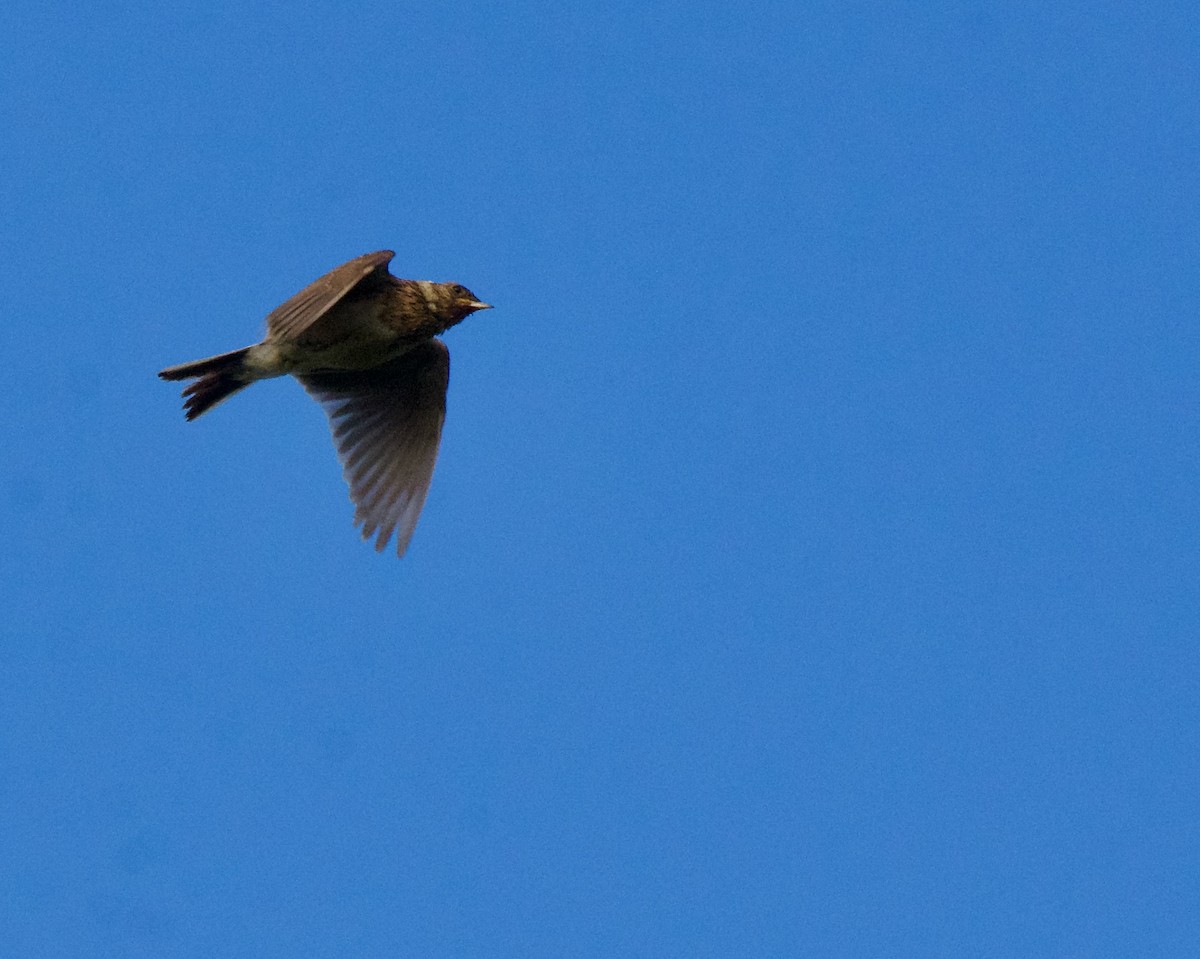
(363, 343)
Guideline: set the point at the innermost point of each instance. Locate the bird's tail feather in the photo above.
(217, 378)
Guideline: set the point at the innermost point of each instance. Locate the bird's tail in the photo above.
(217, 378)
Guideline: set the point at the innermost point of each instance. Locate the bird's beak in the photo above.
(476, 305)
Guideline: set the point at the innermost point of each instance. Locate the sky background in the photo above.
(811, 563)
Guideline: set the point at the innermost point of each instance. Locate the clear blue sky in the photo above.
(811, 564)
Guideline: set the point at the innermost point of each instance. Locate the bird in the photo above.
(364, 344)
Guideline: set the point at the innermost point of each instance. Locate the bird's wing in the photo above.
(387, 424)
(298, 314)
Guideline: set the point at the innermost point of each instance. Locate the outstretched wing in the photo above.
(387, 424)
(298, 314)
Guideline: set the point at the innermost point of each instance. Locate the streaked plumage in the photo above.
(361, 342)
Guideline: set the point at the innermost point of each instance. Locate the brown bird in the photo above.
(363, 343)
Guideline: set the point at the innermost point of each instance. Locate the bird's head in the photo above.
(452, 302)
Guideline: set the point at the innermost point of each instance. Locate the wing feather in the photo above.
(297, 316)
(387, 425)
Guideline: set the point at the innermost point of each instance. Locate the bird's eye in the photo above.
(460, 291)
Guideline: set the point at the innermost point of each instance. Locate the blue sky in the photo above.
(811, 563)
